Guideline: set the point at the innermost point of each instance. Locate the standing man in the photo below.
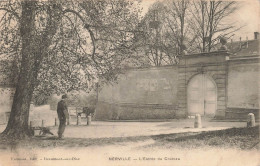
(63, 114)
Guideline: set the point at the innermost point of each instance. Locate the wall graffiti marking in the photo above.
(153, 84)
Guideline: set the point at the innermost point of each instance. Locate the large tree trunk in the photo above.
(34, 48)
(17, 126)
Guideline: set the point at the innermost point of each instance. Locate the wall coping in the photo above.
(204, 54)
(230, 57)
(196, 55)
(140, 105)
(242, 58)
(242, 108)
(150, 67)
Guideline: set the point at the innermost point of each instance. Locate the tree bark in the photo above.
(203, 26)
(34, 48)
(17, 126)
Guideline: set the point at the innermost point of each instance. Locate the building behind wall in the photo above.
(220, 84)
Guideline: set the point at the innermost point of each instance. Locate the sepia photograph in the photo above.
(129, 82)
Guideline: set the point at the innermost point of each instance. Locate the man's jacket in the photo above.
(62, 110)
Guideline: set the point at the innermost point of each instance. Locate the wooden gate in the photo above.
(202, 96)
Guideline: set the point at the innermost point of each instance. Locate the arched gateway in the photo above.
(202, 96)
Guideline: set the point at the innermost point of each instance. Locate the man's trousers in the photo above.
(62, 127)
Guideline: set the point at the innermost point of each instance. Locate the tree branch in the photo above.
(12, 12)
(87, 26)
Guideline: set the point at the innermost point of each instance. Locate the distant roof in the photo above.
(244, 48)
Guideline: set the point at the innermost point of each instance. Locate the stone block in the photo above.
(250, 120)
(197, 121)
(221, 98)
(221, 103)
(220, 81)
(221, 85)
(220, 114)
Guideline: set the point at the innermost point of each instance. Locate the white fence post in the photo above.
(250, 120)
(78, 120)
(89, 120)
(197, 123)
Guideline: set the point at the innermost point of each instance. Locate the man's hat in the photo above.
(64, 96)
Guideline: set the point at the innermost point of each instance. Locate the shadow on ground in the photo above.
(239, 138)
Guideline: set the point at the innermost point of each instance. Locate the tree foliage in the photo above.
(63, 45)
(91, 40)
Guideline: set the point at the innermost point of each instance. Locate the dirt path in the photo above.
(110, 148)
(100, 129)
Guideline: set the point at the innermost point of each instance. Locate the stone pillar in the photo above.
(197, 123)
(7, 116)
(31, 124)
(250, 120)
(78, 120)
(56, 122)
(89, 120)
(31, 106)
(31, 111)
(43, 123)
(68, 121)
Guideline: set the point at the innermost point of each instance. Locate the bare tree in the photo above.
(208, 22)
(177, 23)
(153, 37)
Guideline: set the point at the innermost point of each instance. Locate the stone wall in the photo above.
(116, 111)
(243, 83)
(243, 87)
(135, 96)
(140, 94)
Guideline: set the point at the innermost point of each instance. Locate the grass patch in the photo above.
(53, 142)
(241, 138)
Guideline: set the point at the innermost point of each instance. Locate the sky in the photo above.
(248, 15)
